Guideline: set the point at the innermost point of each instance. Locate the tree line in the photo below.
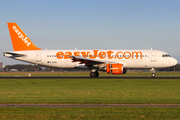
(31, 67)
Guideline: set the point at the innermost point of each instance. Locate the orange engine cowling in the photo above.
(115, 69)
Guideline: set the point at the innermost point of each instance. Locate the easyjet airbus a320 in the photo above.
(110, 61)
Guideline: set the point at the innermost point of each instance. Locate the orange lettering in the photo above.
(85, 54)
(118, 55)
(67, 55)
(76, 53)
(94, 55)
(102, 55)
(126, 54)
(136, 54)
(60, 55)
(109, 54)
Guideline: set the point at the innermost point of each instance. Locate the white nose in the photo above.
(174, 62)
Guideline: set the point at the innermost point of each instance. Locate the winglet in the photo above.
(19, 39)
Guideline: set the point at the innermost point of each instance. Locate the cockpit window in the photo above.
(166, 55)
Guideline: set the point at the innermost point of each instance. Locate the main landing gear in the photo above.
(94, 73)
(153, 72)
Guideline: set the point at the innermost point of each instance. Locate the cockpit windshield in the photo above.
(166, 55)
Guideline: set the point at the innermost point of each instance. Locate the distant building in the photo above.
(13, 70)
(1, 65)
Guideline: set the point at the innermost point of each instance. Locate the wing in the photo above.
(93, 62)
(87, 61)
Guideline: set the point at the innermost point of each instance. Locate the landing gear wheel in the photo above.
(97, 74)
(94, 74)
(153, 75)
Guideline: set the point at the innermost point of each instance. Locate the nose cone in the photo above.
(173, 62)
(169, 62)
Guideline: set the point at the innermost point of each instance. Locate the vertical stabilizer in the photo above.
(19, 39)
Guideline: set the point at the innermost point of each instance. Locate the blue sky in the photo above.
(93, 24)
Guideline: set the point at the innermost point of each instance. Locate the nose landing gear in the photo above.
(153, 75)
(153, 72)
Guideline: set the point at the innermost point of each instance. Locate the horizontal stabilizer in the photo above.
(13, 55)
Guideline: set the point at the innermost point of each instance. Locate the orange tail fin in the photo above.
(19, 40)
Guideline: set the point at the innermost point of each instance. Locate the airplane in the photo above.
(110, 61)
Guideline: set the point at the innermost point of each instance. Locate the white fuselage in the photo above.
(129, 58)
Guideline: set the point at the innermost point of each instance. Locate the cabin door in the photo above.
(153, 56)
(38, 57)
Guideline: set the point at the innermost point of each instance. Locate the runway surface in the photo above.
(75, 77)
(89, 105)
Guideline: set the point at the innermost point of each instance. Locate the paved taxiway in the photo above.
(89, 105)
(75, 77)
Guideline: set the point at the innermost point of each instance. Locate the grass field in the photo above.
(90, 91)
(86, 74)
(91, 113)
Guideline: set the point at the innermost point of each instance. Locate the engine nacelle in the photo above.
(115, 69)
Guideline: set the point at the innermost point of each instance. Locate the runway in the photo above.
(75, 77)
(89, 105)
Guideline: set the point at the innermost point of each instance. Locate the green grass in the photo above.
(90, 91)
(102, 74)
(91, 113)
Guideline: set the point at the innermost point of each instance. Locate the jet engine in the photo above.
(115, 69)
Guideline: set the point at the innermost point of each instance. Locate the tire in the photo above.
(97, 74)
(153, 75)
(94, 74)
